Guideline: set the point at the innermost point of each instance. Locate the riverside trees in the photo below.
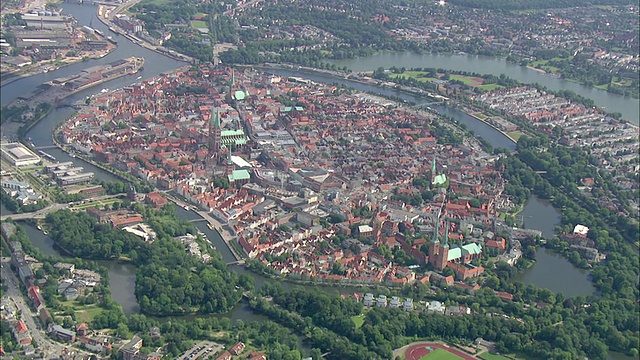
(168, 280)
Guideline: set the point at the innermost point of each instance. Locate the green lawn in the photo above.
(199, 24)
(358, 320)
(156, 2)
(96, 203)
(481, 116)
(83, 313)
(417, 75)
(86, 315)
(515, 135)
(490, 87)
(488, 356)
(467, 80)
(440, 354)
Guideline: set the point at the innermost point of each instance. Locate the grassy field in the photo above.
(84, 313)
(417, 75)
(515, 135)
(199, 24)
(468, 80)
(481, 116)
(440, 354)
(488, 356)
(156, 2)
(490, 87)
(96, 203)
(358, 320)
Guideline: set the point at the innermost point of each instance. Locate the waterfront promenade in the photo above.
(220, 228)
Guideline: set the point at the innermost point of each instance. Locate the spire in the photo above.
(445, 241)
(216, 119)
(229, 161)
(233, 77)
(433, 166)
(436, 233)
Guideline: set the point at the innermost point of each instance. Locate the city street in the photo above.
(40, 340)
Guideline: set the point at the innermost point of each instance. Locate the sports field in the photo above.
(435, 351)
(439, 354)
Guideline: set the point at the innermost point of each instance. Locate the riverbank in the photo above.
(104, 14)
(11, 77)
(214, 224)
(473, 115)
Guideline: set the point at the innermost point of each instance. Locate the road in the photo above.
(39, 338)
(40, 214)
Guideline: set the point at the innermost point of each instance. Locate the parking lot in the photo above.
(202, 350)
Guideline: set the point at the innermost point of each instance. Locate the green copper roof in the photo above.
(440, 179)
(458, 252)
(239, 175)
(239, 95)
(233, 137)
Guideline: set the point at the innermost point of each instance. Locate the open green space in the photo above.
(156, 2)
(468, 80)
(199, 24)
(489, 356)
(96, 203)
(86, 315)
(481, 116)
(515, 135)
(490, 87)
(440, 354)
(358, 320)
(83, 313)
(417, 75)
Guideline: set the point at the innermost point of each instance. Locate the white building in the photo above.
(19, 155)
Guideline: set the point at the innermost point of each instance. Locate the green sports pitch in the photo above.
(440, 354)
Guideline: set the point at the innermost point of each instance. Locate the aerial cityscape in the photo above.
(304, 179)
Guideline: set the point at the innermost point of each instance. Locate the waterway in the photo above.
(122, 276)
(155, 63)
(551, 270)
(627, 106)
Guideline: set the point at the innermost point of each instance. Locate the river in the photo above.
(122, 276)
(496, 138)
(154, 64)
(627, 106)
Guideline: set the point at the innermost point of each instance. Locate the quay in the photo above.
(216, 226)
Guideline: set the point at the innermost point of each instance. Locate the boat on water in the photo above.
(139, 77)
(39, 227)
(186, 207)
(210, 226)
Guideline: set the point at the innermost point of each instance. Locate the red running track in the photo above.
(418, 351)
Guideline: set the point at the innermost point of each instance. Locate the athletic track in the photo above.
(418, 351)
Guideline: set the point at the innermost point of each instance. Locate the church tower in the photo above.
(229, 167)
(215, 134)
(433, 169)
(434, 246)
(444, 249)
(439, 251)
